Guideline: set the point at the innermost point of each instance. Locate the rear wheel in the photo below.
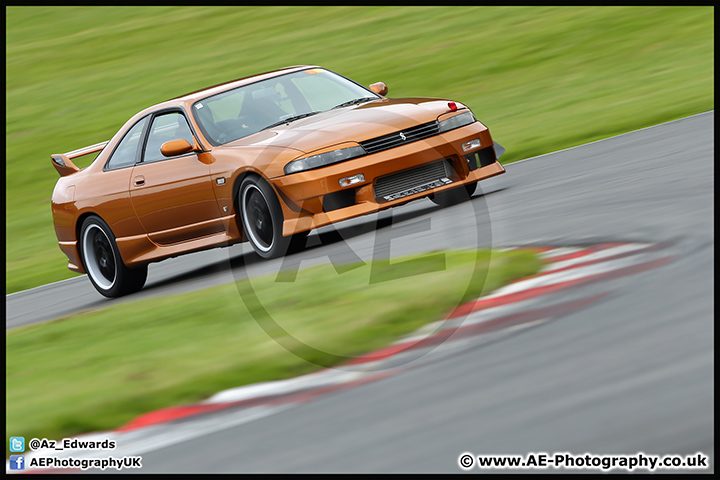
(102, 261)
(454, 195)
(262, 219)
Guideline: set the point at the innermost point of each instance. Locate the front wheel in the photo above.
(262, 218)
(454, 195)
(102, 261)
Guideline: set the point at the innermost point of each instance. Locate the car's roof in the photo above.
(243, 81)
(208, 91)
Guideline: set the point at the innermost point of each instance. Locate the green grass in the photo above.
(98, 370)
(542, 78)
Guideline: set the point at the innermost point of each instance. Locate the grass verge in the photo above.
(98, 370)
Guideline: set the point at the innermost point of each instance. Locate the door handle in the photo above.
(139, 181)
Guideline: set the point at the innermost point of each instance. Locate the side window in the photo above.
(170, 126)
(126, 152)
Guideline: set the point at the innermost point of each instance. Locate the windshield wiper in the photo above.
(291, 119)
(354, 101)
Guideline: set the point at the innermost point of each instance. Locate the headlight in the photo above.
(323, 159)
(457, 121)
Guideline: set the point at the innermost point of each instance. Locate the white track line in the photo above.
(556, 252)
(323, 378)
(39, 287)
(608, 252)
(566, 276)
(608, 138)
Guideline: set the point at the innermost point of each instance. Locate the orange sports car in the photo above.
(263, 159)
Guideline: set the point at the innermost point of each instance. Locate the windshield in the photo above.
(243, 111)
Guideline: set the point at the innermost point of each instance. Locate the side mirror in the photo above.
(173, 148)
(380, 88)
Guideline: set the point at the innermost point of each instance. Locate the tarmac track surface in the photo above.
(630, 372)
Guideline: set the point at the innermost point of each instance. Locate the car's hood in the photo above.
(350, 124)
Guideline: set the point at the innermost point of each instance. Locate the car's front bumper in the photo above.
(315, 198)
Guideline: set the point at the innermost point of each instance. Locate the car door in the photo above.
(108, 194)
(173, 197)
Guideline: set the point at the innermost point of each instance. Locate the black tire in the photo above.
(103, 263)
(298, 242)
(262, 219)
(470, 189)
(454, 195)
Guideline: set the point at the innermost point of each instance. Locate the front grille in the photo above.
(391, 140)
(421, 178)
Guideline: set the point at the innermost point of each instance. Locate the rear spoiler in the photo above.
(62, 163)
